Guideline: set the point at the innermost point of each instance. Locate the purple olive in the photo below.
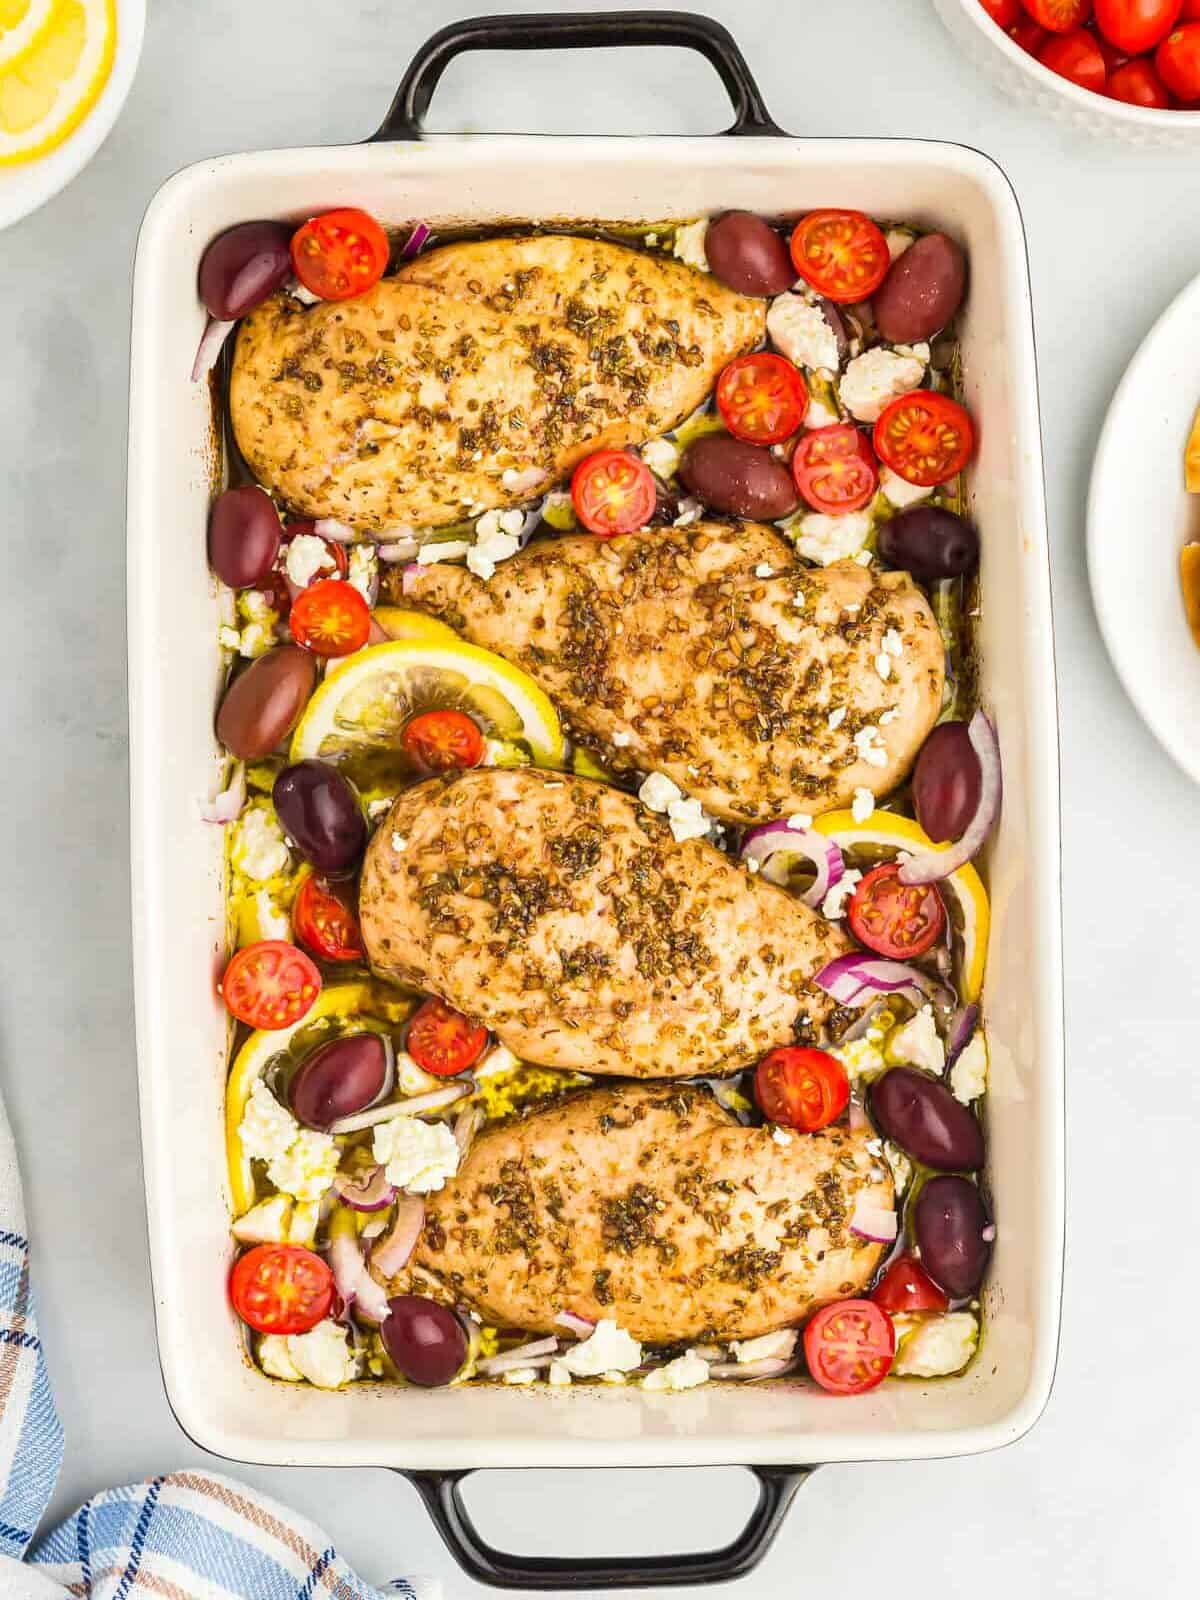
(263, 704)
(320, 812)
(242, 266)
(929, 542)
(946, 782)
(747, 255)
(920, 1114)
(948, 1222)
(424, 1339)
(244, 534)
(338, 1079)
(740, 479)
(922, 291)
(837, 323)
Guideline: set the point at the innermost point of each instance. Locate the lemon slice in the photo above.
(55, 58)
(357, 716)
(344, 1007)
(1191, 458)
(399, 623)
(882, 835)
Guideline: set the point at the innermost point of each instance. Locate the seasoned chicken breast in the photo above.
(564, 915)
(478, 373)
(759, 686)
(648, 1203)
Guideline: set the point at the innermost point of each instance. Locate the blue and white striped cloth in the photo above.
(183, 1536)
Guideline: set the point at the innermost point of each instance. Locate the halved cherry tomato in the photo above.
(850, 1346)
(924, 437)
(1191, 11)
(897, 920)
(906, 1286)
(1059, 16)
(1178, 61)
(330, 618)
(835, 469)
(1030, 35)
(1113, 58)
(338, 559)
(1002, 12)
(340, 254)
(443, 740)
(270, 984)
(1138, 84)
(1077, 57)
(841, 253)
(281, 1288)
(324, 921)
(801, 1088)
(443, 1041)
(1136, 26)
(761, 398)
(613, 492)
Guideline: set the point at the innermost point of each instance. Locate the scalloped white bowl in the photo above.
(1025, 79)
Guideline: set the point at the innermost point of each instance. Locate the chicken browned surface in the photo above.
(761, 687)
(477, 374)
(650, 1204)
(564, 915)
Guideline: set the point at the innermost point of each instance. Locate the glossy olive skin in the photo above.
(424, 1339)
(747, 255)
(338, 1079)
(320, 813)
(264, 703)
(946, 783)
(739, 479)
(920, 1114)
(929, 542)
(242, 266)
(244, 534)
(948, 1223)
(922, 291)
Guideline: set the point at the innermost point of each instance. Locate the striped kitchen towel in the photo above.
(184, 1536)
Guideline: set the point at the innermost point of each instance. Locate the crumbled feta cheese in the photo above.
(607, 1348)
(227, 604)
(883, 665)
(256, 640)
(324, 1355)
(836, 717)
(899, 491)
(687, 820)
(272, 922)
(782, 1137)
(621, 738)
(862, 1058)
(819, 414)
(524, 481)
(302, 1229)
(307, 1167)
(378, 808)
(862, 805)
(825, 539)
(685, 1372)
(520, 1376)
(657, 792)
(267, 1128)
(898, 1163)
(612, 1377)
(412, 1078)
(764, 569)
(419, 1156)
(308, 555)
(801, 821)
(255, 607)
(917, 1044)
(661, 456)
(919, 352)
(778, 1346)
(801, 332)
(229, 638)
(690, 511)
(876, 377)
(559, 1375)
(498, 1059)
(936, 1346)
(864, 557)
(887, 716)
(273, 1358)
(448, 550)
(364, 571)
(265, 1223)
(968, 1075)
(898, 240)
(893, 643)
(689, 244)
(835, 902)
(399, 842)
(870, 746)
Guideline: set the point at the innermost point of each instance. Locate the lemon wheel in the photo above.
(55, 58)
(400, 623)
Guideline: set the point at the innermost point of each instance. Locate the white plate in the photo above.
(1139, 517)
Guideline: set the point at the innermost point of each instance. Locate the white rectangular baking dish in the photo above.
(218, 1397)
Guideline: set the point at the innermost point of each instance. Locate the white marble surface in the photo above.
(1098, 1499)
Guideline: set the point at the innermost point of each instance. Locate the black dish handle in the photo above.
(486, 1564)
(589, 30)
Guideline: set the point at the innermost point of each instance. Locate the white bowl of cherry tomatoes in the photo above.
(1124, 67)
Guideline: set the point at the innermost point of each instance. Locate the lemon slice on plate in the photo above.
(55, 58)
(344, 1007)
(882, 836)
(400, 623)
(358, 714)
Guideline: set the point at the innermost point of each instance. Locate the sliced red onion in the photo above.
(874, 1223)
(332, 528)
(415, 240)
(931, 866)
(525, 1355)
(211, 341)
(856, 980)
(394, 1251)
(775, 844)
(354, 1283)
(227, 806)
(863, 1022)
(397, 550)
(989, 1233)
(962, 1027)
(768, 1367)
(708, 1352)
(370, 1190)
(466, 1125)
(376, 1224)
(409, 578)
(435, 1100)
(579, 1326)
(859, 1120)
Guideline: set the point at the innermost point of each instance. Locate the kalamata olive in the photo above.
(320, 813)
(946, 783)
(929, 542)
(920, 1114)
(243, 536)
(922, 291)
(834, 318)
(242, 266)
(263, 704)
(744, 480)
(948, 1222)
(425, 1340)
(338, 1079)
(748, 255)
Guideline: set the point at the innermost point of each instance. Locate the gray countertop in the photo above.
(1097, 1499)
